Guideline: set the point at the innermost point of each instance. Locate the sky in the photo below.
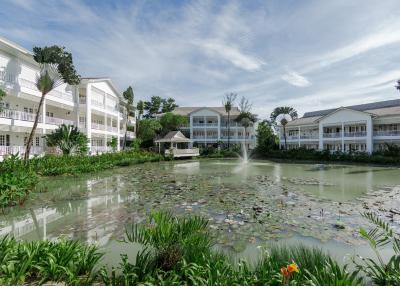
(306, 54)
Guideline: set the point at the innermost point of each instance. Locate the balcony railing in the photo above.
(112, 129)
(387, 133)
(332, 135)
(182, 152)
(205, 124)
(7, 77)
(355, 134)
(101, 149)
(8, 150)
(58, 121)
(309, 136)
(56, 93)
(18, 115)
(98, 126)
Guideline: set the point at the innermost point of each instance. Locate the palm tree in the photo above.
(68, 139)
(283, 115)
(56, 68)
(229, 100)
(129, 97)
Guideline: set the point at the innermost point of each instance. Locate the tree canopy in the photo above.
(147, 131)
(266, 139)
(129, 97)
(171, 122)
(158, 105)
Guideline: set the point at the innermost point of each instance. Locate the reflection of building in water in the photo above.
(93, 219)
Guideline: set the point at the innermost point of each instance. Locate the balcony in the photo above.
(205, 124)
(26, 116)
(309, 136)
(7, 79)
(56, 93)
(387, 133)
(9, 150)
(355, 134)
(332, 135)
(58, 121)
(112, 129)
(182, 152)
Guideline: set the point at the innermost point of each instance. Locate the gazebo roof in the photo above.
(175, 137)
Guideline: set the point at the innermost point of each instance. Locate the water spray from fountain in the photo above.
(245, 158)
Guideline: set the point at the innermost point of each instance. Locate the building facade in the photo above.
(363, 128)
(208, 126)
(95, 106)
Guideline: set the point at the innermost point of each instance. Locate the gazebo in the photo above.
(175, 140)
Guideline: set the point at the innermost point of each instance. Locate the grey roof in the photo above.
(304, 121)
(360, 107)
(173, 136)
(187, 110)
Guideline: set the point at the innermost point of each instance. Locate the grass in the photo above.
(179, 251)
(18, 178)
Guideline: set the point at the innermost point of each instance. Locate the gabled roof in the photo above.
(86, 80)
(340, 109)
(174, 136)
(220, 109)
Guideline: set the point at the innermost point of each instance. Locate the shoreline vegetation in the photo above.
(19, 178)
(179, 251)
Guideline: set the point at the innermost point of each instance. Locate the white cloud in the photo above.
(233, 55)
(296, 79)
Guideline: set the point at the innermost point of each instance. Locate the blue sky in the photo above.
(306, 54)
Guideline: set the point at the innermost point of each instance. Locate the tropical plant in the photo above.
(283, 115)
(171, 122)
(68, 139)
(153, 106)
(381, 235)
(130, 109)
(113, 143)
(228, 102)
(56, 68)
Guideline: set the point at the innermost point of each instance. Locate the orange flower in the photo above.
(293, 268)
(285, 272)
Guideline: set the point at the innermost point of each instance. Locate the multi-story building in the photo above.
(364, 128)
(94, 106)
(209, 126)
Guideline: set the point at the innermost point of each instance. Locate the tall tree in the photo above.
(266, 139)
(171, 122)
(228, 102)
(153, 106)
(147, 131)
(283, 115)
(56, 68)
(140, 109)
(130, 109)
(168, 105)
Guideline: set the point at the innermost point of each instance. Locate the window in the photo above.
(2, 140)
(37, 141)
(49, 114)
(4, 105)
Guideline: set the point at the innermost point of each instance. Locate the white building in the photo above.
(209, 125)
(94, 106)
(364, 128)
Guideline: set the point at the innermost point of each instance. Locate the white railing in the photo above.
(182, 152)
(101, 149)
(82, 99)
(355, 134)
(98, 126)
(18, 115)
(7, 77)
(62, 95)
(130, 134)
(8, 150)
(112, 129)
(97, 103)
(332, 135)
(387, 133)
(56, 93)
(58, 121)
(309, 136)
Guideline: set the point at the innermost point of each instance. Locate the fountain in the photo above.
(245, 159)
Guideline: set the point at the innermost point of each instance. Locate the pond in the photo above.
(248, 205)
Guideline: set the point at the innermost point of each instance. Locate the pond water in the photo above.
(248, 206)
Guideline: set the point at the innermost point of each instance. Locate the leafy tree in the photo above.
(130, 108)
(153, 106)
(170, 122)
(168, 105)
(266, 139)
(2, 95)
(56, 68)
(228, 102)
(283, 115)
(68, 139)
(147, 131)
(140, 109)
(244, 105)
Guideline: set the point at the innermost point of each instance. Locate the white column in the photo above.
(205, 130)
(370, 132)
(118, 132)
(191, 130)
(321, 137)
(219, 127)
(77, 106)
(299, 137)
(89, 115)
(342, 137)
